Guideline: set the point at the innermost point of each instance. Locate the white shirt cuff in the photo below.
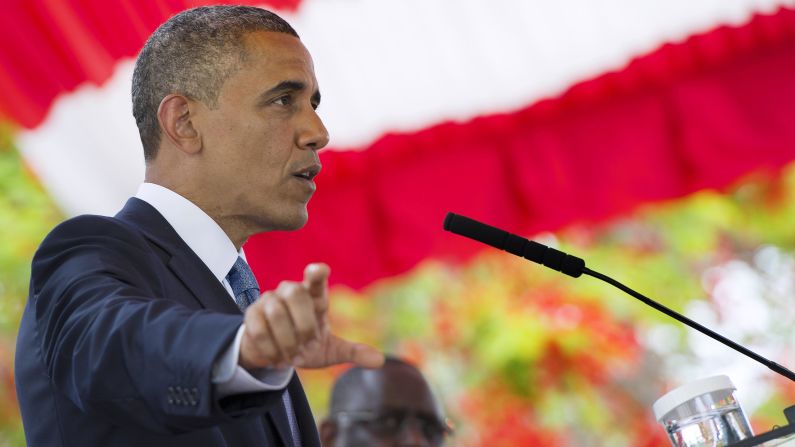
(230, 378)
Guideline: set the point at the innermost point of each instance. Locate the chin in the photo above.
(290, 222)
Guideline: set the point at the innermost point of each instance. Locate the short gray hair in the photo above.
(192, 54)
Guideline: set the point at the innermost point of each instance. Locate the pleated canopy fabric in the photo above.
(52, 47)
(690, 116)
(526, 115)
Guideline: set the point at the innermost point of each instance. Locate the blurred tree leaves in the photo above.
(26, 216)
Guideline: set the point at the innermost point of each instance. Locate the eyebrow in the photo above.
(288, 86)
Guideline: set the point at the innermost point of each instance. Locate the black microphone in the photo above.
(574, 266)
(519, 246)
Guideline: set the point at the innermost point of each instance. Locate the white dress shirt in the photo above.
(211, 244)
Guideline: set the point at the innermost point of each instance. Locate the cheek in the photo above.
(267, 145)
(267, 168)
(260, 150)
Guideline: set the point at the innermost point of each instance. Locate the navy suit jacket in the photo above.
(118, 339)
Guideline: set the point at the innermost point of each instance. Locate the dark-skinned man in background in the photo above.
(392, 406)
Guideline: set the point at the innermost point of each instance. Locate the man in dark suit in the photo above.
(148, 328)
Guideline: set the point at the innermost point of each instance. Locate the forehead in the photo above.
(394, 388)
(268, 59)
(274, 50)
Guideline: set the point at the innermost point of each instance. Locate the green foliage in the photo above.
(26, 215)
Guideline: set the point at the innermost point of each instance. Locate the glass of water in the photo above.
(704, 413)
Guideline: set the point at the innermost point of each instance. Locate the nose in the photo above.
(312, 134)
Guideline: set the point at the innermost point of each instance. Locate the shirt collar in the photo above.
(194, 226)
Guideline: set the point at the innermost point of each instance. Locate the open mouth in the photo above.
(308, 173)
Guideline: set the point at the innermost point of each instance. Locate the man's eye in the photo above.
(390, 423)
(285, 100)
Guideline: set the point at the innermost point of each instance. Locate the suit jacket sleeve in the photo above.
(115, 345)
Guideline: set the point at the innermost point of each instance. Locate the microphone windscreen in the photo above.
(464, 226)
(519, 246)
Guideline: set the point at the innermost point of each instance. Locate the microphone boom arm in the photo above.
(575, 267)
(699, 327)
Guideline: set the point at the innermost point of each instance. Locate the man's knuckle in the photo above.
(274, 309)
(296, 290)
(287, 288)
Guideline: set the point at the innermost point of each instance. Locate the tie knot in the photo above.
(244, 284)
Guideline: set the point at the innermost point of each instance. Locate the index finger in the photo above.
(316, 279)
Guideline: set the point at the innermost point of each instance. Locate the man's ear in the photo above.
(328, 433)
(174, 115)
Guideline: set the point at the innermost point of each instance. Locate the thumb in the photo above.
(341, 351)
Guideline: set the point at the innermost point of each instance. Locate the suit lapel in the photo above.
(303, 414)
(203, 284)
(184, 263)
(278, 416)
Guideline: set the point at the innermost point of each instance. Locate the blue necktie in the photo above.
(244, 284)
(246, 290)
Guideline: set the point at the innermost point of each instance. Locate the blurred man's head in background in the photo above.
(389, 406)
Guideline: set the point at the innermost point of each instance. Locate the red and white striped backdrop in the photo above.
(526, 114)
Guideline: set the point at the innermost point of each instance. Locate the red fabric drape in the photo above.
(689, 116)
(51, 47)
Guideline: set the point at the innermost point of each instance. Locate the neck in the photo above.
(235, 229)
